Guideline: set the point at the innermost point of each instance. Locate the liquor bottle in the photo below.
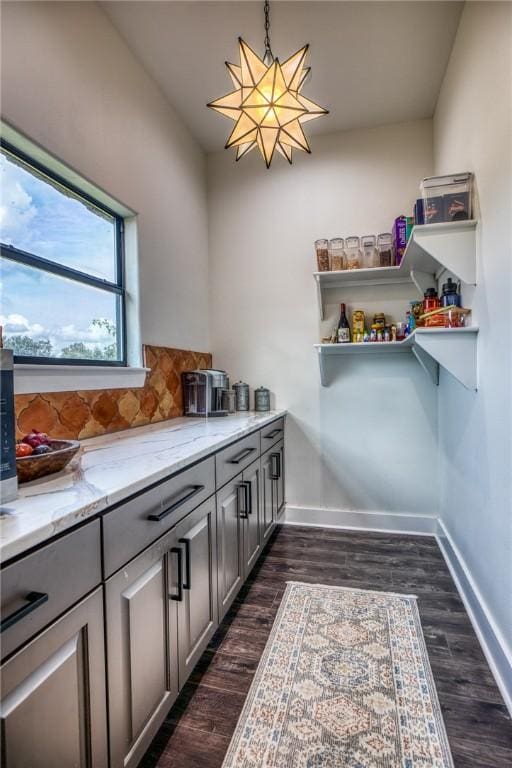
(343, 327)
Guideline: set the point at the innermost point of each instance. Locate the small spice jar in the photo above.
(262, 399)
(353, 253)
(385, 249)
(336, 248)
(322, 254)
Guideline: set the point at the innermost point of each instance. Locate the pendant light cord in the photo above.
(269, 56)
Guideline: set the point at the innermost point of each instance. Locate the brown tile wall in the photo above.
(76, 415)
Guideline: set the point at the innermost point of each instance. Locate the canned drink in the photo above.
(262, 399)
(242, 396)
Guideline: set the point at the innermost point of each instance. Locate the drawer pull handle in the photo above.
(34, 600)
(272, 434)
(188, 583)
(237, 459)
(275, 473)
(179, 597)
(187, 494)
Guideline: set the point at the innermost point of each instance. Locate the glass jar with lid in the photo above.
(369, 252)
(322, 254)
(337, 253)
(353, 253)
(385, 249)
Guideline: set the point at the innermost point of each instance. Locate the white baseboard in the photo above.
(489, 636)
(392, 522)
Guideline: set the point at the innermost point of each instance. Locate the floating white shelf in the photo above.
(431, 249)
(452, 348)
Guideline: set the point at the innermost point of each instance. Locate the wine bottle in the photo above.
(343, 327)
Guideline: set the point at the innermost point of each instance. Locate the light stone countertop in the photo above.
(110, 469)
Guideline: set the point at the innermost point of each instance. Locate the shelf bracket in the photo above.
(428, 363)
(319, 297)
(422, 280)
(456, 253)
(456, 353)
(322, 367)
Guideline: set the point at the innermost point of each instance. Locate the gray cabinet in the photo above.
(272, 485)
(229, 544)
(34, 592)
(251, 527)
(142, 648)
(161, 611)
(239, 532)
(174, 559)
(267, 493)
(53, 710)
(197, 608)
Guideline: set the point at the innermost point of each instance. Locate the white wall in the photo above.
(70, 83)
(473, 131)
(369, 441)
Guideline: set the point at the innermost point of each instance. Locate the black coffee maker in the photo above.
(202, 392)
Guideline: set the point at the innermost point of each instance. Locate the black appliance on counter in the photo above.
(202, 392)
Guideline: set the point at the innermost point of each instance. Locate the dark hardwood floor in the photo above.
(199, 726)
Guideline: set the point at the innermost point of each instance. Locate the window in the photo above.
(61, 267)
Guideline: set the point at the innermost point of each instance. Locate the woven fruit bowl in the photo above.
(33, 467)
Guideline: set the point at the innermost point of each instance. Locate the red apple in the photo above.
(36, 438)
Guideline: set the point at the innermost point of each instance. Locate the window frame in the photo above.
(118, 288)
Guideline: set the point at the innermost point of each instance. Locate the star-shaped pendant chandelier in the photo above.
(267, 106)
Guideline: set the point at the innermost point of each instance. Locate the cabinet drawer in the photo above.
(271, 434)
(134, 525)
(39, 587)
(233, 459)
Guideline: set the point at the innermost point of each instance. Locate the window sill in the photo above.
(70, 378)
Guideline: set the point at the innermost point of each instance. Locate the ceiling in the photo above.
(372, 62)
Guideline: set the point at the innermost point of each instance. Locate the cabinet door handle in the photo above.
(242, 509)
(247, 487)
(272, 434)
(275, 474)
(185, 495)
(33, 601)
(188, 583)
(178, 551)
(237, 459)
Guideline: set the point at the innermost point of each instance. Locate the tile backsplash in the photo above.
(76, 415)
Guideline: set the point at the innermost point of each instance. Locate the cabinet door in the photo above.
(53, 695)
(229, 544)
(268, 493)
(141, 649)
(197, 610)
(252, 524)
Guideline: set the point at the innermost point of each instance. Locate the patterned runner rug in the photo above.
(344, 681)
